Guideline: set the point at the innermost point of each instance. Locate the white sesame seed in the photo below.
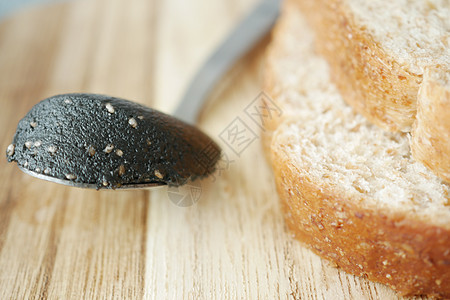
(28, 144)
(25, 164)
(119, 152)
(10, 150)
(105, 183)
(110, 108)
(33, 124)
(38, 170)
(67, 101)
(388, 276)
(52, 149)
(37, 143)
(109, 148)
(158, 174)
(132, 122)
(91, 150)
(47, 171)
(71, 176)
(141, 117)
(121, 170)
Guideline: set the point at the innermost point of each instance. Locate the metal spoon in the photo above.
(97, 141)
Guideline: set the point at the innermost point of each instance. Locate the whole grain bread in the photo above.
(379, 52)
(350, 190)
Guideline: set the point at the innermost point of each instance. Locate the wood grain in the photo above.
(58, 242)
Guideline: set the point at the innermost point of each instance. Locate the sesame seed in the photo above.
(38, 170)
(10, 150)
(46, 171)
(119, 152)
(25, 164)
(110, 108)
(132, 122)
(388, 276)
(438, 281)
(33, 124)
(141, 117)
(71, 176)
(109, 148)
(37, 143)
(91, 150)
(158, 174)
(149, 142)
(28, 144)
(52, 149)
(105, 183)
(67, 101)
(121, 170)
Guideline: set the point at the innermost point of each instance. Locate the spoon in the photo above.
(98, 141)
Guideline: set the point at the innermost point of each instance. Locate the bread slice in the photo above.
(350, 190)
(378, 52)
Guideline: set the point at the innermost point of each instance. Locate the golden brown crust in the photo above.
(269, 84)
(430, 143)
(410, 256)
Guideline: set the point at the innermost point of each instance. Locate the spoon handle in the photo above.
(244, 36)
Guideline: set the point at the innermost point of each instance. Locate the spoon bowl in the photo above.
(97, 141)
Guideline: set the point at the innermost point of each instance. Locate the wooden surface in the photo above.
(58, 242)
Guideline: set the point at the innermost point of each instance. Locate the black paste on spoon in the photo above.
(110, 142)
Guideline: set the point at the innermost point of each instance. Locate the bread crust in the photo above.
(269, 84)
(368, 78)
(272, 123)
(433, 120)
(410, 256)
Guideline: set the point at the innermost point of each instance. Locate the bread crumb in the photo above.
(121, 170)
(158, 174)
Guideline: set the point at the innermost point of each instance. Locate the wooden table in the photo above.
(58, 242)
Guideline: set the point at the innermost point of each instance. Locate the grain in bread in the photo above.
(350, 190)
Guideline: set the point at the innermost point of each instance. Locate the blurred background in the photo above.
(8, 7)
(145, 50)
